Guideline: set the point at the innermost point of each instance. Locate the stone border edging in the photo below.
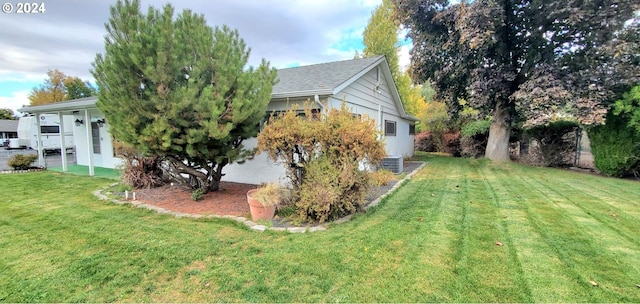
(247, 222)
(22, 171)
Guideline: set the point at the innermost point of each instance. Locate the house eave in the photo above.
(410, 118)
(71, 105)
(307, 93)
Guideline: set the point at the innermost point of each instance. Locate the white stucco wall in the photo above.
(105, 159)
(258, 170)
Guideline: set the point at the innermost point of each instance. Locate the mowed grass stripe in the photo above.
(427, 242)
(547, 270)
(562, 227)
(616, 211)
(480, 273)
(418, 219)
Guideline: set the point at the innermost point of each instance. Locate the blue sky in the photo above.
(69, 34)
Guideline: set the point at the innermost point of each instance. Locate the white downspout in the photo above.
(381, 123)
(316, 98)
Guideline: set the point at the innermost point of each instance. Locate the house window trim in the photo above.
(412, 129)
(387, 132)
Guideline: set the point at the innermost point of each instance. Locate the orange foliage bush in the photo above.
(310, 144)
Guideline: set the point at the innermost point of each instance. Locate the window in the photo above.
(49, 129)
(412, 129)
(389, 128)
(95, 137)
(315, 113)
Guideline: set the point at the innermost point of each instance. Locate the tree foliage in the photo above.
(171, 86)
(60, 87)
(380, 37)
(7, 114)
(629, 107)
(523, 60)
(615, 147)
(322, 155)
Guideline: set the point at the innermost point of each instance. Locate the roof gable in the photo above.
(321, 79)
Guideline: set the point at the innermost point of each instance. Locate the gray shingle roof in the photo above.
(319, 77)
(8, 125)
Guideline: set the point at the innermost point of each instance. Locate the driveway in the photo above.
(51, 160)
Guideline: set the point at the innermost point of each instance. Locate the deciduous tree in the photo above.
(523, 59)
(60, 87)
(380, 37)
(7, 114)
(171, 86)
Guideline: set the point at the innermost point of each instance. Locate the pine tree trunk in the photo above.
(216, 175)
(498, 142)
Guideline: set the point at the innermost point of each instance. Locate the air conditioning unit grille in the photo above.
(393, 164)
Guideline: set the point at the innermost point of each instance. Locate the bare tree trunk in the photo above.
(498, 142)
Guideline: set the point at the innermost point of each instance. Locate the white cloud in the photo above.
(16, 101)
(404, 58)
(285, 32)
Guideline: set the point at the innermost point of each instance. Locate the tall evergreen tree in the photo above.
(380, 37)
(522, 60)
(176, 88)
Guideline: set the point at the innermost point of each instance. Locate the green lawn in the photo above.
(433, 240)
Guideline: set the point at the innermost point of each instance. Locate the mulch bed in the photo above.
(231, 199)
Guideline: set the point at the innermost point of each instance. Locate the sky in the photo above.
(69, 33)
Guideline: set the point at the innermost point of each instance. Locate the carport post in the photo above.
(87, 123)
(63, 147)
(39, 142)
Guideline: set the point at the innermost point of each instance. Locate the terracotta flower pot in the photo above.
(258, 211)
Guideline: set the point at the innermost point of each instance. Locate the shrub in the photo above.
(21, 161)
(139, 171)
(435, 119)
(474, 146)
(336, 141)
(474, 136)
(615, 147)
(476, 127)
(381, 177)
(425, 142)
(330, 191)
(452, 143)
(556, 143)
(197, 194)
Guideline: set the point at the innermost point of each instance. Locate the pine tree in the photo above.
(178, 89)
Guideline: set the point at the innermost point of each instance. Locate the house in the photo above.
(8, 129)
(365, 85)
(367, 88)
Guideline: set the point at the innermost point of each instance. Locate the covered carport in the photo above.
(81, 109)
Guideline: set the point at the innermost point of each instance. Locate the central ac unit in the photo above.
(393, 164)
